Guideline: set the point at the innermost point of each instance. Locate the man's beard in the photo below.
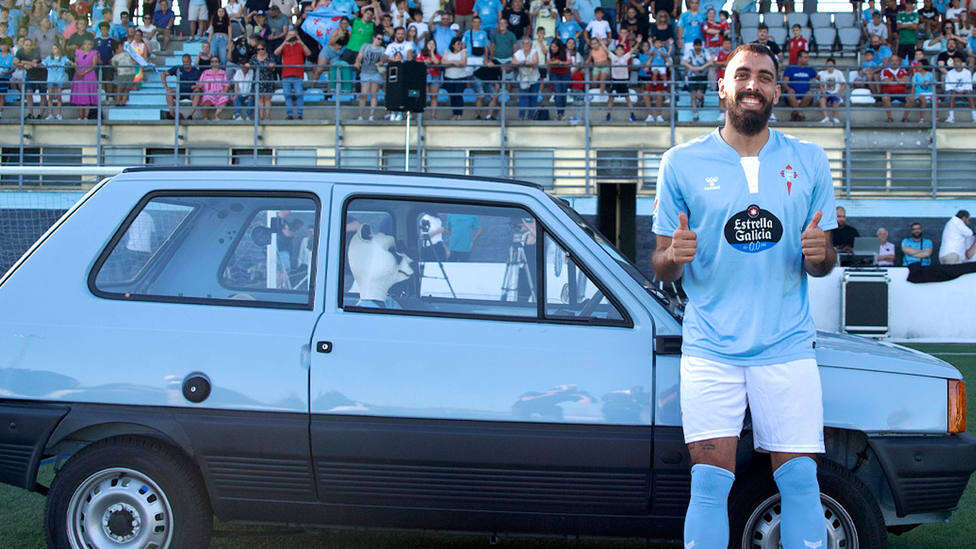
(749, 122)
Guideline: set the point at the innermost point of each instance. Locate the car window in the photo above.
(276, 256)
(440, 258)
(570, 292)
(219, 247)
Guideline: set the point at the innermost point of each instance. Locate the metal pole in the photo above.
(176, 120)
(503, 119)
(23, 98)
(98, 112)
(672, 105)
(934, 143)
(847, 145)
(586, 130)
(257, 114)
(420, 142)
(406, 146)
(336, 88)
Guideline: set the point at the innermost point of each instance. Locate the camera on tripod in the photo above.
(424, 226)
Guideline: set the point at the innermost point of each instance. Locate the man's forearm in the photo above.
(665, 269)
(823, 268)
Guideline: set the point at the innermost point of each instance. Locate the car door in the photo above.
(440, 381)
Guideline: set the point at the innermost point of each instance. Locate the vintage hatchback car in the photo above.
(397, 350)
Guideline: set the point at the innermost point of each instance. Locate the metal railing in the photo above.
(589, 101)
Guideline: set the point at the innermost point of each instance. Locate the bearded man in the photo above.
(744, 214)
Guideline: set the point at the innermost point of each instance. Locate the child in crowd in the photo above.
(57, 78)
(620, 76)
(923, 90)
(796, 44)
(125, 71)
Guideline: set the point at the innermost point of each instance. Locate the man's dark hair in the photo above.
(697, 42)
(762, 26)
(914, 223)
(831, 60)
(962, 214)
(758, 49)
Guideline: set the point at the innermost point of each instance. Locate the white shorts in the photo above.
(784, 399)
(197, 12)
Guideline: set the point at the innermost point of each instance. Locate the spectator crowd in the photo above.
(490, 51)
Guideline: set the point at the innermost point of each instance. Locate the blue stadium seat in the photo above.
(773, 20)
(824, 37)
(843, 20)
(796, 18)
(820, 20)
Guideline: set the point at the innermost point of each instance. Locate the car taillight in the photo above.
(957, 406)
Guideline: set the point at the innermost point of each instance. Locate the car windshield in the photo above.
(667, 294)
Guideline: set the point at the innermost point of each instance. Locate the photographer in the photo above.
(432, 238)
(293, 52)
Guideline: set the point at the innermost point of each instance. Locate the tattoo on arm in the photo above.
(701, 446)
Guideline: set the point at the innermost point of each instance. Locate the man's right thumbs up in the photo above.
(684, 242)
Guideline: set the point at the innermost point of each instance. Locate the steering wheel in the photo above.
(591, 304)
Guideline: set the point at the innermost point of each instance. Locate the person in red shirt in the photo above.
(429, 56)
(894, 83)
(721, 59)
(712, 32)
(293, 52)
(797, 44)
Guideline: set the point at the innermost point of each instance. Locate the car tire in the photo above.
(128, 490)
(853, 516)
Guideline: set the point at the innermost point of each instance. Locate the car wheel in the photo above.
(852, 515)
(127, 492)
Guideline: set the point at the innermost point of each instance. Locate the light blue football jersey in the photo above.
(747, 289)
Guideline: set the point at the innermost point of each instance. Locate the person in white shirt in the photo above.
(598, 28)
(244, 98)
(886, 252)
(832, 84)
(432, 235)
(876, 27)
(959, 85)
(958, 241)
(399, 45)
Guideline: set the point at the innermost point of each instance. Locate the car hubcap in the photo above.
(762, 527)
(119, 507)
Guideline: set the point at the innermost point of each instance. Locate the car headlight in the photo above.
(957, 406)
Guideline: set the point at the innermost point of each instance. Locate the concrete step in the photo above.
(137, 99)
(133, 113)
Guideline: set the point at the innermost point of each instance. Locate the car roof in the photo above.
(419, 176)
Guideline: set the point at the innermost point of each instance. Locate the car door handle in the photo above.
(323, 347)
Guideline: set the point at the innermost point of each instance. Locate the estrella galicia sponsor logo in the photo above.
(753, 230)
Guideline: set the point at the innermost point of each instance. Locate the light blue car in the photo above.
(390, 350)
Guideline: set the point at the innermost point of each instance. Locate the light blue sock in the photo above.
(707, 520)
(802, 525)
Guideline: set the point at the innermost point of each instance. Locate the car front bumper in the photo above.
(926, 473)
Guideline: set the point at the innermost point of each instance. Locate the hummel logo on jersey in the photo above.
(813, 544)
(690, 544)
(711, 184)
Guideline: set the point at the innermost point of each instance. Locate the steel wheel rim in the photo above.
(762, 527)
(119, 508)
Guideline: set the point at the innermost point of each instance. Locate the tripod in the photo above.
(517, 264)
(424, 243)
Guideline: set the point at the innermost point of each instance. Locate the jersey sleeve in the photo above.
(669, 201)
(823, 194)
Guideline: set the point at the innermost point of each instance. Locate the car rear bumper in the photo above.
(926, 473)
(24, 430)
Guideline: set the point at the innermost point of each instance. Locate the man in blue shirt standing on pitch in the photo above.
(744, 214)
